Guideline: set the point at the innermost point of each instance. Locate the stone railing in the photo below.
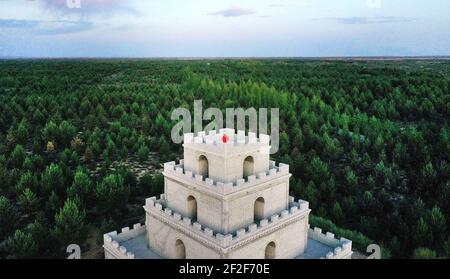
(214, 138)
(342, 246)
(236, 142)
(112, 240)
(195, 229)
(226, 188)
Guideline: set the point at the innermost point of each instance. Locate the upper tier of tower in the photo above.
(226, 156)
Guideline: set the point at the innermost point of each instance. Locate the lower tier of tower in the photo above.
(170, 240)
(167, 234)
(133, 244)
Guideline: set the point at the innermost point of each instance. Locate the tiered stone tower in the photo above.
(233, 199)
(226, 200)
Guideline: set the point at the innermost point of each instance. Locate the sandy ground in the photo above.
(93, 251)
(358, 256)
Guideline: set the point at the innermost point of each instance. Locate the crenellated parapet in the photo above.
(229, 241)
(235, 141)
(274, 172)
(342, 246)
(112, 240)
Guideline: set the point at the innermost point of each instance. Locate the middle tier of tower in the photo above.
(226, 207)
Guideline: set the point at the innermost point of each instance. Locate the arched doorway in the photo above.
(192, 208)
(203, 168)
(258, 211)
(180, 250)
(270, 250)
(248, 167)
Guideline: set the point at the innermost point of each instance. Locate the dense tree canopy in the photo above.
(368, 143)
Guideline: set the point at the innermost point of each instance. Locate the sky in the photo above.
(223, 28)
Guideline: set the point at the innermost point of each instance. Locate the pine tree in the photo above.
(53, 179)
(27, 180)
(8, 217)
(438, 225)
(29, 201)
(66, 133)
(18, 156)
(82, 187)
(424, 253)
(112, 192)
(143, 153)
(69, 224)
(336, 213)
(22, 132)
(423, 235)
(22, 245)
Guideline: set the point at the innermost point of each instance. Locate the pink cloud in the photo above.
(233, 12)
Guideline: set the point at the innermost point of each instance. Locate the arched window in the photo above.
(203, 168)
(270, 250)
(180, 250)
(192, 208)
(248, 167)
(258, 212)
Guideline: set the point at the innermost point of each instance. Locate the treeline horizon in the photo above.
(369, 58)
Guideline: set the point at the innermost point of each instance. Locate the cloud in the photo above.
(233, 12)
(51, 27)
(368, 20)
(89, 7)
(20, 24)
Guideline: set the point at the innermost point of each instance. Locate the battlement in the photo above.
(112, 240)
(301, 204)
(235, 141)
(156, 207)
(177, 170)
(342, 246)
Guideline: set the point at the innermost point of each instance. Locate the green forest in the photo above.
(82, 143)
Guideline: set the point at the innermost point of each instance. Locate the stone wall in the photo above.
(163, 238)
(342, 246)
(290, 241)
(240, 210)
(226, 207)
(288, 229)
(112, 240)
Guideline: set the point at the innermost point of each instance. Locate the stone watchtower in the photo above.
(226, 199)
